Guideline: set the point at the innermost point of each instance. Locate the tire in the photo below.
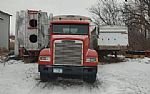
(44, 77)
(47, 77)
(90, 78)
(52, 77)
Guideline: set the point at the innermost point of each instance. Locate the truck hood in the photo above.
(72, 37)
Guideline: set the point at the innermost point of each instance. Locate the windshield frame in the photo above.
(69, 28)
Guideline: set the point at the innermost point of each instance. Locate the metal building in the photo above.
(4, 29)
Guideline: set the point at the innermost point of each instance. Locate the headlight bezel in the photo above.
(45, 58)
(91, 59)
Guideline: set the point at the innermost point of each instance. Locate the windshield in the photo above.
(80, 29)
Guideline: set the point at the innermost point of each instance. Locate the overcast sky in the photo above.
(57, 7)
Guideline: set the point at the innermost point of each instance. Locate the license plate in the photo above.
(57, 70)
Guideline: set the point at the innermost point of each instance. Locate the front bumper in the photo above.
(68, 70)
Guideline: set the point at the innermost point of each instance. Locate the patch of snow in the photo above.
(13, 62)
(140, 60)
(130, 77)
(2, 58)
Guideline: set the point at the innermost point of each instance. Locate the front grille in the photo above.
(67, 52)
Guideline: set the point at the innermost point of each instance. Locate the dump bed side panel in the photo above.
(113, 38)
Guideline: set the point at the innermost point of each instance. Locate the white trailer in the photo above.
(31, 32)
(110, 39)
(113, 37)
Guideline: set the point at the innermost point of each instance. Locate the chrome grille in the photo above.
(68, 52)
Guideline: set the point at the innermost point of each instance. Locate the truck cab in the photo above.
(68, 54)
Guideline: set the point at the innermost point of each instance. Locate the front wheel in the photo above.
(44, 77)
(90, 78)
(47, 77)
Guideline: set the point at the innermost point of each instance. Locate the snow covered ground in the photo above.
(130, 77)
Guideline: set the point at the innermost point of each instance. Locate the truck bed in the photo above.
(112, 38)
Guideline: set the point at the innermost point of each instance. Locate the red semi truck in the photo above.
(69, 54)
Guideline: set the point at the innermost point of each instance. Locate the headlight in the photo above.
(91, 59)
(44, 58)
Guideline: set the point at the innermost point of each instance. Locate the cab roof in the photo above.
(69, 22)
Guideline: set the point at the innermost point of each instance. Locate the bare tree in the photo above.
(106, 12)
(137, 17)
(138, 12)
(134, 13)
